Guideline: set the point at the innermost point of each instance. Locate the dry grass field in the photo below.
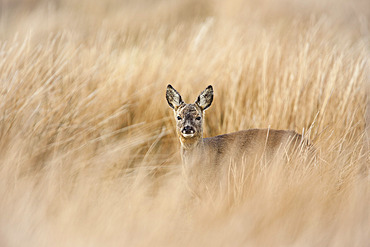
(88, 150)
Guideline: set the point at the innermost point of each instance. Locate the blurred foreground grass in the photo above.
(88, 150)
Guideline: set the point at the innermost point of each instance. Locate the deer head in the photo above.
(189, 117)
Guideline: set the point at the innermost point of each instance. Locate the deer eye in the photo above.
(197, 118)
(178, 118)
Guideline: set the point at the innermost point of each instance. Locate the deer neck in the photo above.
(191, 152)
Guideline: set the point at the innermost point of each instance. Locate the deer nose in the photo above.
(188, 130)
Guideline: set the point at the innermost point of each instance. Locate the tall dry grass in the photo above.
(88, 151)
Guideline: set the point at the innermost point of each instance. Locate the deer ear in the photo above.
(173, 97)
(205, 98)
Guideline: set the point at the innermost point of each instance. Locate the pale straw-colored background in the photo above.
(88, 151)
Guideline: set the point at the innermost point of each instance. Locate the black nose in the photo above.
(188, 130)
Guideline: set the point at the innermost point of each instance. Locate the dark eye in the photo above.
(197, 118)
(178, 118)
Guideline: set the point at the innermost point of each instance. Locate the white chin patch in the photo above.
(187, 135)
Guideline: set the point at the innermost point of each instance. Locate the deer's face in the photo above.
(189, 117)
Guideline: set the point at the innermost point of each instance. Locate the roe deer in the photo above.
(205, 157)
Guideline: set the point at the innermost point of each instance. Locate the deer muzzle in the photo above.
(188, 131)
